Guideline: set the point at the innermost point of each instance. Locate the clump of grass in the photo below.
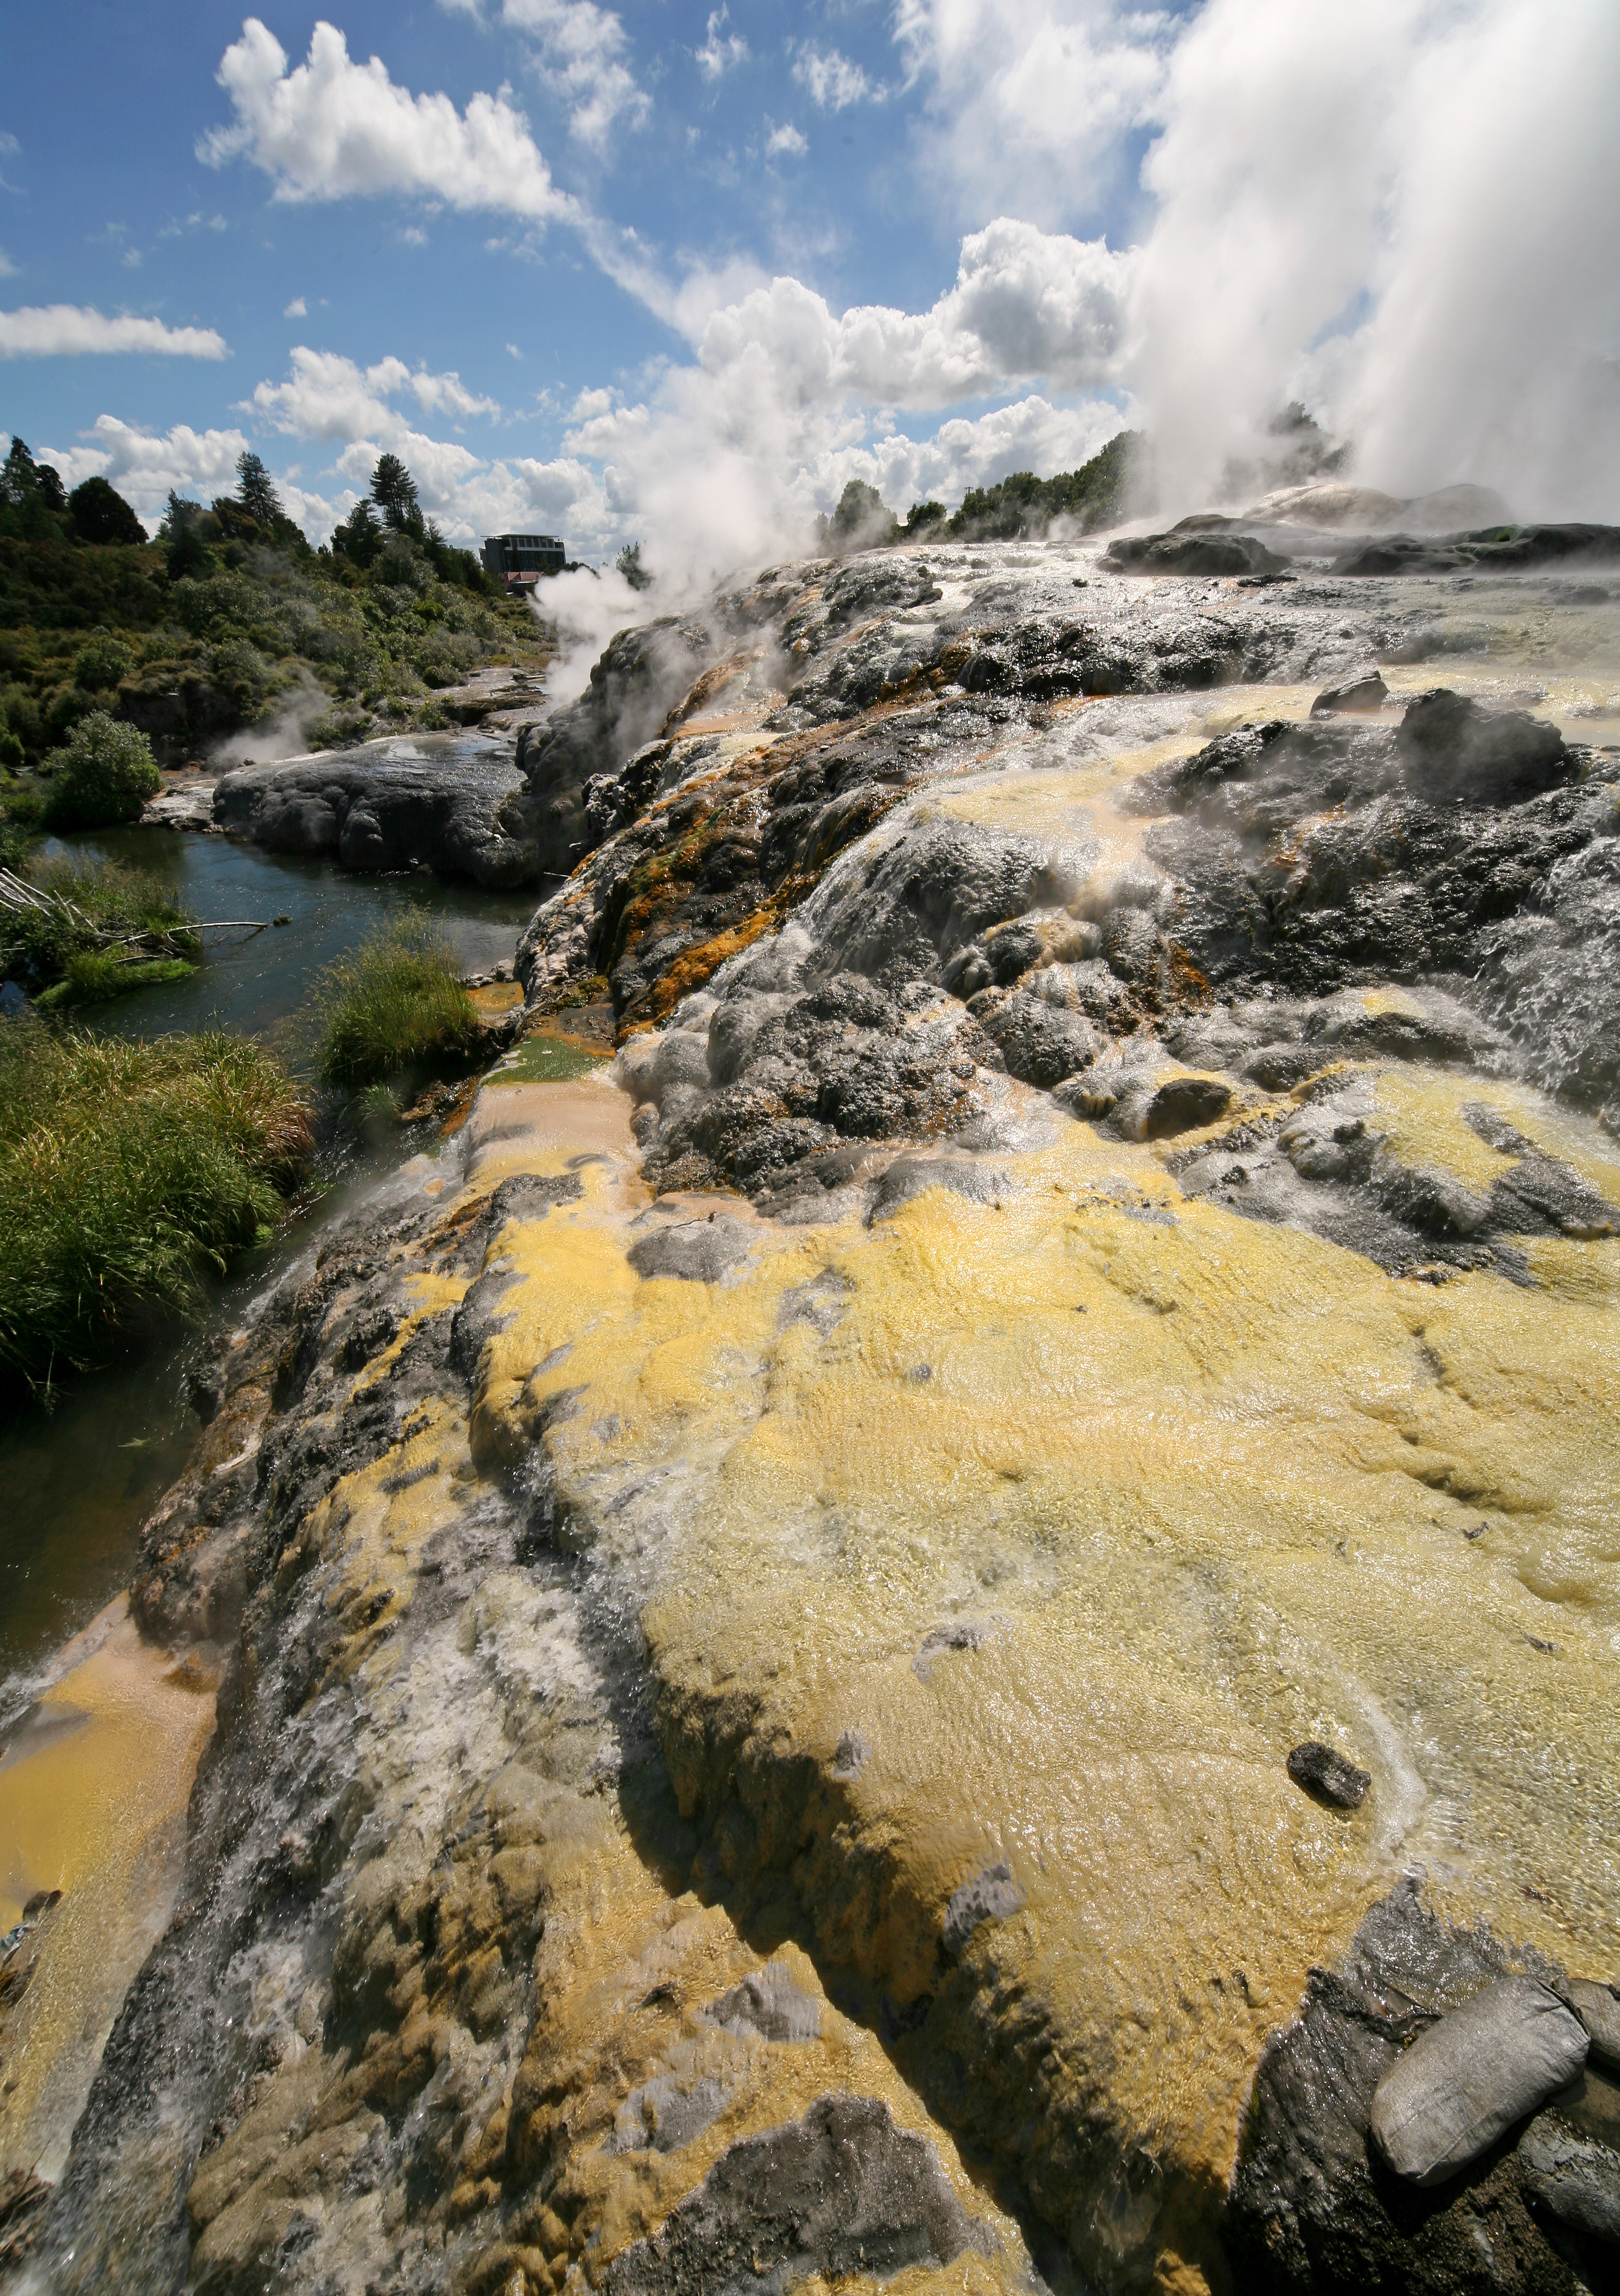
(122, 919)
(395, 1004)
(92, 977)
(126, 1170)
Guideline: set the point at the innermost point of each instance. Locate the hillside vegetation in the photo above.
(209, 628)
(1100, 493)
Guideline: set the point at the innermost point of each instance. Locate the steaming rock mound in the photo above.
(454, 804)
(744, 1700)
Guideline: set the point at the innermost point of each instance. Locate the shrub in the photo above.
(126, 1170)
(106, 774)
(396, 1003)
(12, 754)
(99, 663)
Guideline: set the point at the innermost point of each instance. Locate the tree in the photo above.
(186, 528)
(629, 564)
(106, 774)
(360, 538)
(863, 521)
(393, 492)
(256, 492)
(100, 514)
(29, 488)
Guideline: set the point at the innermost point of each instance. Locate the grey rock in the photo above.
(640, 675)
(840, 2192)
(699, 1251)
(1574, 2178)
(1192, 554)
(1451, 745)
(1182, 1104)
(1363, 695)
(1309, 2209)
(1322, 1770)
(1466, 2080)
(454, 805)
(665, 2114)
(989, 1897)
(1599, 2010)
(769, 2003)
(913, 1176)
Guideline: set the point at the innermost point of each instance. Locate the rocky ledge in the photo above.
(952, 1625)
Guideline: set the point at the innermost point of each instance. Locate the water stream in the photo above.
(80, 1479)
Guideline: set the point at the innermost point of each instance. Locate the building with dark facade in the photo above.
(520, 560)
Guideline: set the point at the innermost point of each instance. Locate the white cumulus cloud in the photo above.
(330, 396)
(721, 49)
(144, 464)
(72, 330)
(1027, 305)
(1026, 102)
(831, 80)
(787, 138)
(332, 128)
(581, 56)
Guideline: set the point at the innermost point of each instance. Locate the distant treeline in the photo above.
(1097, 494)
(198, 632)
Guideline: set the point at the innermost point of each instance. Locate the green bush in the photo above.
(106, 774)
(13, 757)
(126, 1170)
(100, 663)
(397, 1004)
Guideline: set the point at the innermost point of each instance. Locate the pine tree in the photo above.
(256, 492)
(393, 492)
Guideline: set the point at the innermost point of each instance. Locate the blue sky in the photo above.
(681, 271)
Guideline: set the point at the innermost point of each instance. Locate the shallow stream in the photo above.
(80, 1479)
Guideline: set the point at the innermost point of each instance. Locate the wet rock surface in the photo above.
(754, 1740)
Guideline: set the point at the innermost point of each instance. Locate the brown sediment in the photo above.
(94, 1786)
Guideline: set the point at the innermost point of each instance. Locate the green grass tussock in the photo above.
(74, 943)
(397, 1004)
(126, 1170)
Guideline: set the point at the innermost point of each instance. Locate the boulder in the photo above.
(1454, 748)
(1363, 695)
(1573, 2178)
(1192, 554)
(1599, 2011)
(1466, 2080)
(455, 806)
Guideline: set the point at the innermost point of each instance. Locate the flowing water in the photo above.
(81, 1478)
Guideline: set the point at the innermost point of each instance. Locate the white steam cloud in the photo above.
(1407, 213)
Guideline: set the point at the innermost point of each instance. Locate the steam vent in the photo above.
(934, 1605)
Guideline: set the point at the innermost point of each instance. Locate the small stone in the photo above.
(1599, 2011)
(1320, 1770)
(989, 1897)
(1573, 2178)
(1465, 2081)
(1367, 694)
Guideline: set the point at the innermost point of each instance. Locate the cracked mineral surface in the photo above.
(766, 1590)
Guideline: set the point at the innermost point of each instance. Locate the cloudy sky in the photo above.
(673, 272)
